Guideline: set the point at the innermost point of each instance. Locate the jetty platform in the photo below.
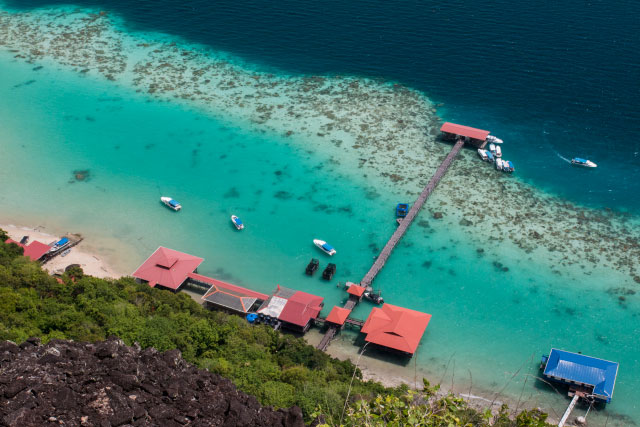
(382, 258)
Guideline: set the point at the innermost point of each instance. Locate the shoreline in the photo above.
(91, 264)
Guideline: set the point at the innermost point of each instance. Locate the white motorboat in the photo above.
(237, 222)
(492, 149)
(507, 166)
(499, 164)
(577, 161)
(483, 154)
(324, 247)
(170, 203)
(493, 139)
(498, 151)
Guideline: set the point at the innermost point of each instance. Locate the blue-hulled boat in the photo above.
(402, 209)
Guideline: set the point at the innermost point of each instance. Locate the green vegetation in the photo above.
(278, 369)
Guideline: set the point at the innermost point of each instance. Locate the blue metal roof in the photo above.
(578, 368)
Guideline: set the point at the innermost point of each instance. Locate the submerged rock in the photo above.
(109, 383)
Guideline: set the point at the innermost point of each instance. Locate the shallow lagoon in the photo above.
(488, 322)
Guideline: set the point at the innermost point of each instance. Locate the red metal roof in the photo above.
(167, 268)
(396, 327)
(300, 308)
(34, 250)
(223, 286)
(465, 131)
(338, 315)
(356, 290)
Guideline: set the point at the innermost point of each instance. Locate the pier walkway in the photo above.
(395, 237)
(413, 212)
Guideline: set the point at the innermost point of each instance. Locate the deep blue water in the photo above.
(553, 79)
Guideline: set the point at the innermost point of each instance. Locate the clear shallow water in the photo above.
(137, 149)
(550, 78)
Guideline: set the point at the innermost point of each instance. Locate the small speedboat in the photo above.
(498, 151)
(60, 244)
(490, 157)
(483, 154)
(577, 161)
(507, 166)
(499, 164)
(376, 298)
(237, 222)
(493, 139)
(170, 203)
(492, 149)
(324, 247)
(402, 209)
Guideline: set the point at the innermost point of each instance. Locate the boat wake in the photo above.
(562, 157)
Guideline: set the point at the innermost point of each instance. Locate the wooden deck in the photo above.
(413, 212)
(395, 238)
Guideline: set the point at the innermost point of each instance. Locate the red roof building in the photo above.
(356, 290)
(296, 309)
(167, 268)
(471, 135)
(396, 327)
(34, 250)
(338, 315)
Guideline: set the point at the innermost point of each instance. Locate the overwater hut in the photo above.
(472, 136)
(396, 328)
(594, 378)
(338, 316)
(296, 310)
(34, 250)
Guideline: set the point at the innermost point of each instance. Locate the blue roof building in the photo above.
(596, 375)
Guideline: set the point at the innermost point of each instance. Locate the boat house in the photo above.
(34, 250)
(296, 310)
(472, 136)
(396, 328)
(596, 377)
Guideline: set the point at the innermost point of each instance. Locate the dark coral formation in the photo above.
(110, 384)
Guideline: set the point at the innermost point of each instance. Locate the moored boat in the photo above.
(60, 244)
(492, 149)
(376, 298)
(237, 222)
(499, 164)
(507, 166)
(328, 272)
(490, 157)
(324, 247)
(498, 151)
(577, 161)
(483, 154)
(402, 209)
(170, 203)
(312, 266)
(493, 139)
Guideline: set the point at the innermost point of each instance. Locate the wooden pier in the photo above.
(413, 212)
(395, 238)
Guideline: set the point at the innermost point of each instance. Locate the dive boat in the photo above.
(402, 209)
(237, 222)
(170, 203)
(577, 161)
(376, 298)
(493, 139)
(324, 247)
(507, 166)
(499, 164)
(490, 157)
(492, 149)
(483, 154)
(498, 151)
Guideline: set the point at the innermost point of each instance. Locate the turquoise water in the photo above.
(486, 321)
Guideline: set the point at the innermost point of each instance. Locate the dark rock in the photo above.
(110, 384)
(437, 215)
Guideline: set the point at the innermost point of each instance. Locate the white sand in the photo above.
(90, 263)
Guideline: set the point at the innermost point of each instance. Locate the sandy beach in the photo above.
(90, 263)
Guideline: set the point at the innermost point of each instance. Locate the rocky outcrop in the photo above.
(111, 384)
